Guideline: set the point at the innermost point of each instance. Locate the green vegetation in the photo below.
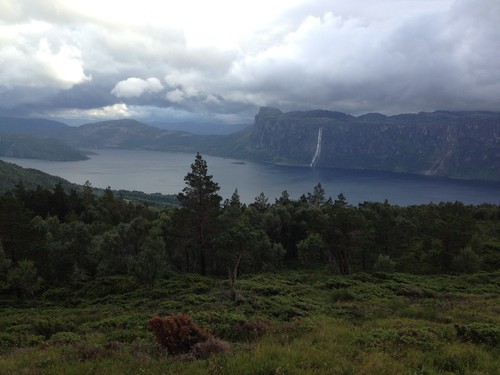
(292, 322)
(23, 146)
(32, 179)
(92, 283)
(11, 174)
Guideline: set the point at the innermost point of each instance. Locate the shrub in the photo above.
(424, 338)
(411, 290)
(57, 294)
(11, 341)
(250, 330)
(50, 326)
(479, 333)
(384, 263)
(84, 351)
(206, 349)
(177, 333)
(65, 338)
(343, 295)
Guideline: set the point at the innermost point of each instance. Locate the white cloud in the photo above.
(118, 110)
(64, 67)
(115, 110)
(27, 58)
(135, 87)
(175, 96)
(229, 57)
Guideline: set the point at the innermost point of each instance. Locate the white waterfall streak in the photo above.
(318, 148)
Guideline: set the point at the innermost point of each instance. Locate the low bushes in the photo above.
(177, 334)
(250, 330)
(479, 333)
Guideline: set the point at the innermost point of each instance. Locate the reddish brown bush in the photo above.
(177, 333)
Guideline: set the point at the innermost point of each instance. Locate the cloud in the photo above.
(424, 61)
(135, 87)
(118, 110)
(175, 96)
(227, 59)
(65, 66)
(29, 59)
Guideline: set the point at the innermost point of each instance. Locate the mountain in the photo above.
(23, 146)
(131, 134)
(115, 134)
(442, 143)
(35, 127)
(205, 128)
(454, 144)
(11, 174)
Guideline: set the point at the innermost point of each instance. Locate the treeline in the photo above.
(54, 237)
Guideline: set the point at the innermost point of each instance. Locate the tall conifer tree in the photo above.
(202, 202)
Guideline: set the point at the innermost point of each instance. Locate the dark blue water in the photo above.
(162, 172)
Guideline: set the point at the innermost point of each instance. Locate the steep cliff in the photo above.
(455, 144)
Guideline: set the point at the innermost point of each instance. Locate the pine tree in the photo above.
(202, 203)
(317, 198)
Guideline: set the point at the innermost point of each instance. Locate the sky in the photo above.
(221, 60)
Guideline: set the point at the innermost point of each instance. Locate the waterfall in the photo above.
(318, 148)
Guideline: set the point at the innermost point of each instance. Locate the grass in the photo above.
(308, 322)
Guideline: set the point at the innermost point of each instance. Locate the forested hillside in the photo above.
(11, 174)
(80, 234)
(23, 146)
(93, 283)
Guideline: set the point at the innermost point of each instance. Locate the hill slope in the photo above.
(36, 127)
(23, 146)
(11, 174)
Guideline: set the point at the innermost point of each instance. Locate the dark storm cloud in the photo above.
(62, 58)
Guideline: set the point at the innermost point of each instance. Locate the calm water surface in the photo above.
(163, 172)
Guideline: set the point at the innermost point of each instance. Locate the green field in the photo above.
(291, 322)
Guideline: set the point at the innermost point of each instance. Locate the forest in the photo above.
(76, 249)
(79, 235)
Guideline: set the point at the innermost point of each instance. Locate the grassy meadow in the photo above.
(292, 322)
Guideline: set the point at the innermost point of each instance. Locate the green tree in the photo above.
(4, 261)
(202, 202)
(311, 249)
(317, 198)
(467, 261)
(284, 199)
(15, 228)
(234, 201)
(24, 278)
(149, 265)
(343, 232)
(384, 263)
(261, 202)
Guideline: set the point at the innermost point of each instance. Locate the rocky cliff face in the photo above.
(455, 144)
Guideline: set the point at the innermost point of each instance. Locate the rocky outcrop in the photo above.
(455, 144)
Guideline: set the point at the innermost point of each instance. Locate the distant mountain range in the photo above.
(453, 144)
